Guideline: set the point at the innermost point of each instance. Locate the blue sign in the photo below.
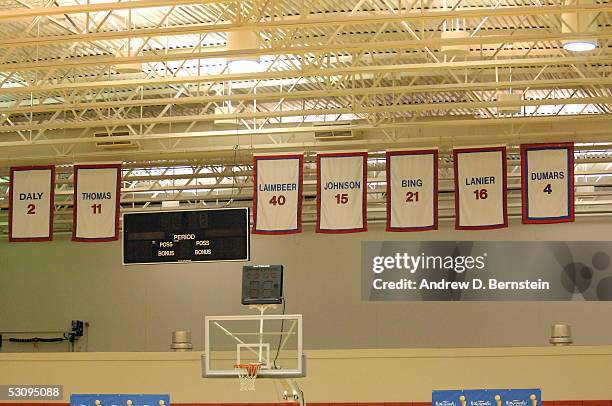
(119, 400)
(487, 397)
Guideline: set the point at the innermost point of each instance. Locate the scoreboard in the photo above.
(186, 236)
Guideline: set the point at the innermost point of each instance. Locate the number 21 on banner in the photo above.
(412, 197)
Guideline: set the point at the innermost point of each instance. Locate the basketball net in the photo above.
(247, 373)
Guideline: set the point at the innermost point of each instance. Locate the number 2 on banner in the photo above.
(280, 200)
(341, 199)
(481, 194)
(97, 208)
(31, 209)
(548, 189)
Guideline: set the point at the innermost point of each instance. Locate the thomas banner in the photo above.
(487, 397)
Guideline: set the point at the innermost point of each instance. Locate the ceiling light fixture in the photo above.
(579, 23)
(242, 41)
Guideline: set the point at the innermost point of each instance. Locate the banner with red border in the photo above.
(96, 208)
(481, 188)
(342, 192)
(412, 190)
(31, 203)
(277, 194)
(547, 178)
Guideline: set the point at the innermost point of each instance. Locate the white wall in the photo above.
(45, 285)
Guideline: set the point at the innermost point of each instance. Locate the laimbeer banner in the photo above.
(277, 195)
(96, 202)
(341, 192)
(547, 172)
(31, 203)
(412, 190)
(480, 188)
(487, 397)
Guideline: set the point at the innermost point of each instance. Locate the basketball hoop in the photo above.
(247, 373)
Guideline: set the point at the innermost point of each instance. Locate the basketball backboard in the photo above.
(274, 341)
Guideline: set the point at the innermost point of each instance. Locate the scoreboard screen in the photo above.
(186, 236)
(262, 284)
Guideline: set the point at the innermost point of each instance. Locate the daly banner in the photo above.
(486, 270)
(487, 397)
(97, 189)
(412, 190)
(341, 192)
(277, 195)
(31, 203)
(547, 173)
(480, 188)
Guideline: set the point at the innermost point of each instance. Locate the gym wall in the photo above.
(135, 308)
(335, 376)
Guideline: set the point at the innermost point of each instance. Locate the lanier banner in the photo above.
(486, 270)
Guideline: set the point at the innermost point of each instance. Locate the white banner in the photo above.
(412, 190)
(96, 202)
(341, 192)
(277, 196)
(480, 188)
(547, 173)
(31, 203)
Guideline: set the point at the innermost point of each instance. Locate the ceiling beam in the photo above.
(309, 94)
(289, 22)
(314, 72)
(21, 13)
(344, 48)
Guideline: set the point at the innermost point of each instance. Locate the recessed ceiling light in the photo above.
(579, 45)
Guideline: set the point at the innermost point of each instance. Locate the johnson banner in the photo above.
(341, 192)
